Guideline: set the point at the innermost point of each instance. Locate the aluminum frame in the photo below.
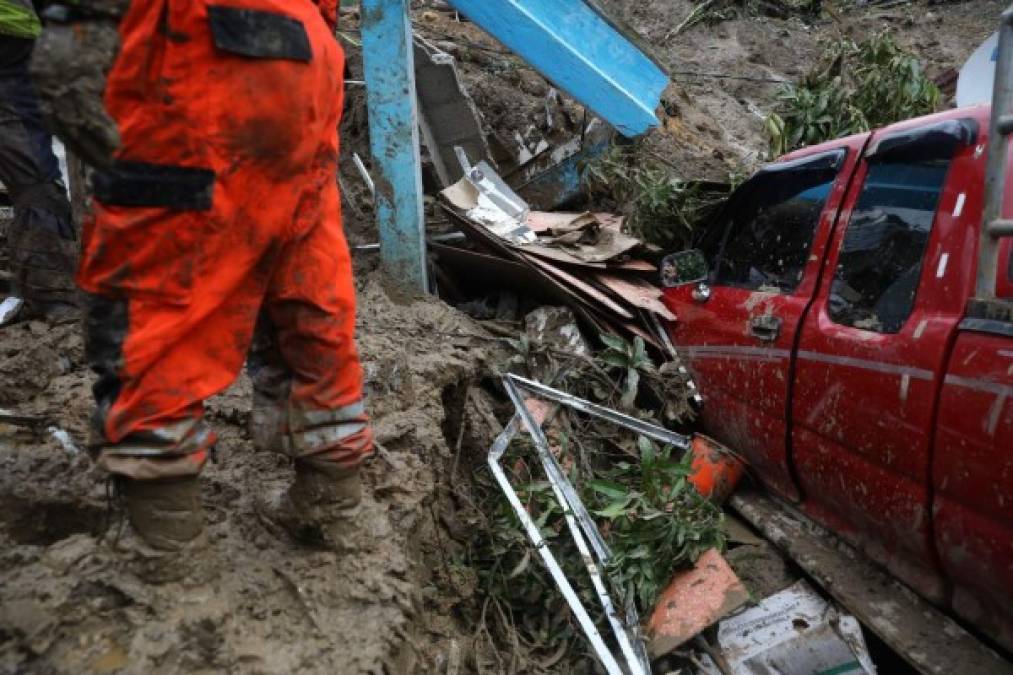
(582, 527)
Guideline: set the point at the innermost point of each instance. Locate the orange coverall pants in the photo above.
(221, 213)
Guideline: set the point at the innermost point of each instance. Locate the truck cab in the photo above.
(839, 348)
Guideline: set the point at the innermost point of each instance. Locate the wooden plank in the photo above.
(388, 59)
(584, 287)
(923, 635)
(637, 292)
(634, 266)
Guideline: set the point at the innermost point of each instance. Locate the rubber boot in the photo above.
(320, 505)
(166, 527)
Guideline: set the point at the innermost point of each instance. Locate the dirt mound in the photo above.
(255, 602)
(726, 75)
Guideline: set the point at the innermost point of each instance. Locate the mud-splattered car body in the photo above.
(834, 349)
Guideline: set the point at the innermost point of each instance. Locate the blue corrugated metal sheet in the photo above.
(580, 52)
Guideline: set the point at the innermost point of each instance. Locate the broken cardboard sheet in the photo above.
(588, 237)
(633, 266)
(695, 599)
(795, 632)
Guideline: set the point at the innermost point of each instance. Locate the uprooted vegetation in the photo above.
(660, 206)
(651, 517)
(856, 86)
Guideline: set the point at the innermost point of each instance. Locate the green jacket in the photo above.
(17, 18)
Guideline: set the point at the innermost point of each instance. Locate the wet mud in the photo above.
(253, 601)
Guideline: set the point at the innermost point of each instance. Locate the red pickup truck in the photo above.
(839, 348)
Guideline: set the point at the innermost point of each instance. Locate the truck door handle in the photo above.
(765, 327)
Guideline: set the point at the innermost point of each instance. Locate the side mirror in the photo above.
(684, 267)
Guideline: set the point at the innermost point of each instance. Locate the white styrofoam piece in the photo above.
(794, 632)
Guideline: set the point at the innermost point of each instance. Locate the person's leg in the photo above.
(42, 240)
(311, 305)
(311, 302)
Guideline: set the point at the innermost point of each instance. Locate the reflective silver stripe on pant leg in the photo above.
(314, 440)
(181, 438)
(312, 431)
(301, 418)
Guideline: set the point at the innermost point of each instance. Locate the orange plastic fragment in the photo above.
(715, 469)
(694, 599)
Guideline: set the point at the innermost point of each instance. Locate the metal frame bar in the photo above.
(994, 227)
(582, 527)
(542, 546)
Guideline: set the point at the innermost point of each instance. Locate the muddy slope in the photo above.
(254, 602)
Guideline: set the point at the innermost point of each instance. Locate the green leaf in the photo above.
(614, 510)
(647, 450)
(614, 341)
(613, 359)
(611, 489)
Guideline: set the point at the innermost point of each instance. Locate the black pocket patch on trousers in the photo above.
(260, 35)
(141, 184)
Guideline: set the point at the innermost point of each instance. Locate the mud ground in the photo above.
(255, 602)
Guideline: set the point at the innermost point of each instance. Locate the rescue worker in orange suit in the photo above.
(216, 210)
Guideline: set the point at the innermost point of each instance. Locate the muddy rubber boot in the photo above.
(166, 527)
(319, 507)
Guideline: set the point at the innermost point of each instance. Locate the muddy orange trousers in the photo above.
(221, 214)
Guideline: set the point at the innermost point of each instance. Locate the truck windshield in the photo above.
(881, 258)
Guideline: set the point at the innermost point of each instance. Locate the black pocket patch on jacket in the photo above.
(141, 184)
(259, 35)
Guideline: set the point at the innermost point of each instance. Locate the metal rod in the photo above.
(439, 238)
(660, 434)
(366, 178)
(555, 472)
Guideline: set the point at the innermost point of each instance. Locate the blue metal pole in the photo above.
(394, 139)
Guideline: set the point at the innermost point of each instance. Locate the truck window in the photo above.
(766, 244)
(881, 257)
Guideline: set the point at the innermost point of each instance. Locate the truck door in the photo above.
(872, 349)
(737, 332)
(972, 464)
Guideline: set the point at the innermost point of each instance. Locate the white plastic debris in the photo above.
(64, 439)
(9, 309)
(794, 632)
